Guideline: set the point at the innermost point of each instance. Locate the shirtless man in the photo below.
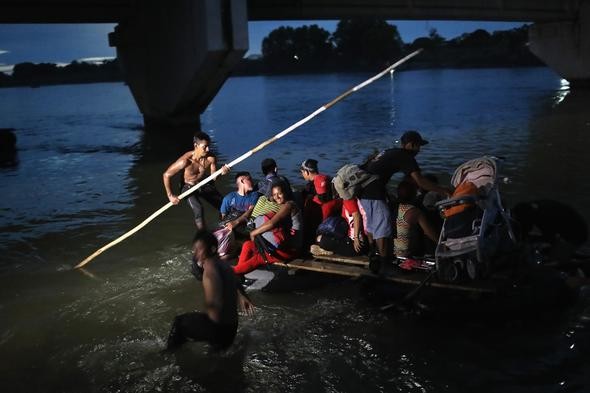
(195, 164)
(223, 295)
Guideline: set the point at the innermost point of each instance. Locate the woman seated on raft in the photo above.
(277, 237)
(411, 224)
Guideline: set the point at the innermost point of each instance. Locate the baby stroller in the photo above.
(476, 228)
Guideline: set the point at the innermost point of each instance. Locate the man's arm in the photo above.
(212, 160)
(270, 224)
(243, 219)
(428, 185)
(172, 170)
(213, 290)
(356, 225)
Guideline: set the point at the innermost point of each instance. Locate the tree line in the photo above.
(30, 74)
(359, 44)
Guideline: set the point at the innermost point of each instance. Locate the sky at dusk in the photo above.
(63, 43)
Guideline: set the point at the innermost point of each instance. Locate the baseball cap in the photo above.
(413, 137)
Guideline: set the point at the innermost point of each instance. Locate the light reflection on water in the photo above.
(87, 173)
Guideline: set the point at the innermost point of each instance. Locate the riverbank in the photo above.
(245, 68)
(47, 74)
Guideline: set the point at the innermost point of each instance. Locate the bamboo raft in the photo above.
(359, 267)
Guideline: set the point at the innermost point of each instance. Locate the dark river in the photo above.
(87, 173)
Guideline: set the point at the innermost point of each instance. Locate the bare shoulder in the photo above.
(188, 155)
(413, 213)
(181, 162)
(185, 158)
(292, 207)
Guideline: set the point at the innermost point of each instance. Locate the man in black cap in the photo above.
(373, 198)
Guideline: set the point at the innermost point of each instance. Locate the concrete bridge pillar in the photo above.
(176, 55)
(565, 46)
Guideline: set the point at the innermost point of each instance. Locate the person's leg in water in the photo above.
(197, 209)
(199, 327)
(210, 193)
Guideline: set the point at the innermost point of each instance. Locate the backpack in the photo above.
(350, 180)
(334, 225)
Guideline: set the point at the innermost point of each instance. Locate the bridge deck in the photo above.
(116, 11)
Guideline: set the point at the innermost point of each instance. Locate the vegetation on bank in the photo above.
(360, 44)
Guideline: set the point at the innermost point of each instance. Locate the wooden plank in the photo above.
(361, 261)
(326, 267)
(410, 278)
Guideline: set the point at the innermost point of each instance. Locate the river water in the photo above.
(87, 173)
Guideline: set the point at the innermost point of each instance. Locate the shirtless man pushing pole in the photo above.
(195, 164)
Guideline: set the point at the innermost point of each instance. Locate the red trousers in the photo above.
(250, 258)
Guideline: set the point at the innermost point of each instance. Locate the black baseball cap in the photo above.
(413, 137)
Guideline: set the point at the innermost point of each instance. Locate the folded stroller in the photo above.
(476, 228)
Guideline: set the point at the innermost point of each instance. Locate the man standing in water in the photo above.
(195, 164)
(373, 198)
(219, 324)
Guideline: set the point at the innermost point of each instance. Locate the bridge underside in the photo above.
(176, 55)
(116, 11)
(551, 10)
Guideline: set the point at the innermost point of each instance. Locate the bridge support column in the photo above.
(565, 47)
(176, 55)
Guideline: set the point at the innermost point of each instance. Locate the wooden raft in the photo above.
(359, 267)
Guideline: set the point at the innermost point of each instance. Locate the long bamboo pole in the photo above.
(248, 154)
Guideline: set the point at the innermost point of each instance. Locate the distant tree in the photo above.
(367, 42)
(511, 39)
(510, 47)
(4, 78)
(302, 48)
(433, 41)
(28, 72)
(436, 38)
(75, 72)
(479, 38)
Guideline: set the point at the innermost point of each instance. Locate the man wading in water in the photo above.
(223, 293)
(195, 164)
